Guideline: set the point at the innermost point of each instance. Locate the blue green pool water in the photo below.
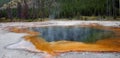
(74, 33)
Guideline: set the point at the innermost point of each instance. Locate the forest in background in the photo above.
(58, 9)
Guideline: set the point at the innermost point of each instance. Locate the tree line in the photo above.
(61, 9)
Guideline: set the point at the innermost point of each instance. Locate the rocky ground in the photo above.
(7, 38)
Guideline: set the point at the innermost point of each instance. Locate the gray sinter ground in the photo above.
(7, 38)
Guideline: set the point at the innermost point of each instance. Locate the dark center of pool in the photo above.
(79, 34)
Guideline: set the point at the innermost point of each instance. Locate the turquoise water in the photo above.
(79, 34)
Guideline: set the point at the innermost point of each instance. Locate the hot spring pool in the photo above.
(72, 33)
(77, 38)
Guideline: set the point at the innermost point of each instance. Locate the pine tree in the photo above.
(19, 10)
(9, 13)
(25, 10)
